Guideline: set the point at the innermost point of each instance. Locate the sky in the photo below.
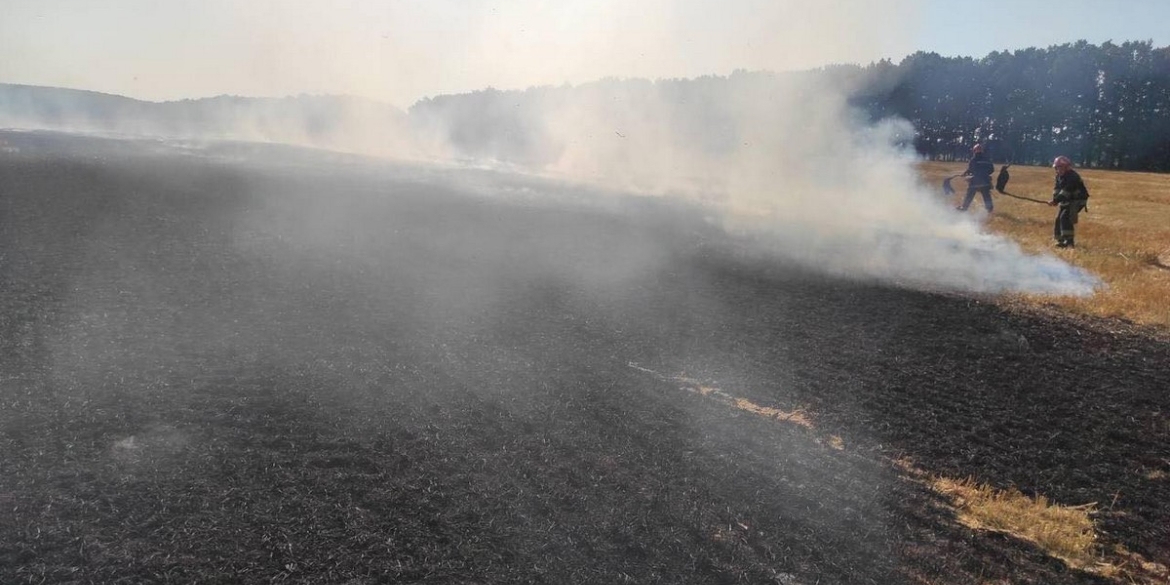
(399, 51)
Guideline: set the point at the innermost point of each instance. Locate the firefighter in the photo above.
(978, 174)
(1071, 196)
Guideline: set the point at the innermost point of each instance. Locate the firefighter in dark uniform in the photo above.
(978, 174)
(1071, 195)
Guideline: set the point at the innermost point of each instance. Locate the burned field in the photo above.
(246, 368)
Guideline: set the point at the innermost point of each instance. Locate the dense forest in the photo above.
(1104, 106)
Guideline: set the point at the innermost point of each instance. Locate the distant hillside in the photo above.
(337, 122)
(1104, 106)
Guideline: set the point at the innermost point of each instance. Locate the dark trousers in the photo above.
(1064, 228)
(985, 190)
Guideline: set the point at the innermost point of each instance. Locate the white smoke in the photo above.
(785, 160)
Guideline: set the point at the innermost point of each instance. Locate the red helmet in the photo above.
(1061, 161)
(977, 148)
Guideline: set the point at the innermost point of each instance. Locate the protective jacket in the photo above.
(1070, 193)
(979, 169)
(1069, 189)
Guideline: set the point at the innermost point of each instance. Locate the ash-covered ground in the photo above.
(230, 363)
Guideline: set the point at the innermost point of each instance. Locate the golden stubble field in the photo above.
(1124, 239)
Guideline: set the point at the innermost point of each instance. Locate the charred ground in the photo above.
(265, 368)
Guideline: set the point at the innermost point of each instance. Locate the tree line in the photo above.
(1104, 106)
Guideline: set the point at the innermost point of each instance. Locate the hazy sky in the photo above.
(401, 50)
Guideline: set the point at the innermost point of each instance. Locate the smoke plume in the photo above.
(781, 159)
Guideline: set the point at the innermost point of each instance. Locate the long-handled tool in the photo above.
(1001, 181)
(1023, 197)
(947, 188)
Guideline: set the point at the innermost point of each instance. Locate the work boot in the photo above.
(1066, 243)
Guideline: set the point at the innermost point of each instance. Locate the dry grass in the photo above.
(1062, 531)
(798, 417)
(1124, 239)
(1065, 532)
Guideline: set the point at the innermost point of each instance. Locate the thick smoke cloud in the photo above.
(780, 158)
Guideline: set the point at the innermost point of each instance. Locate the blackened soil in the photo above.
(249, 369)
